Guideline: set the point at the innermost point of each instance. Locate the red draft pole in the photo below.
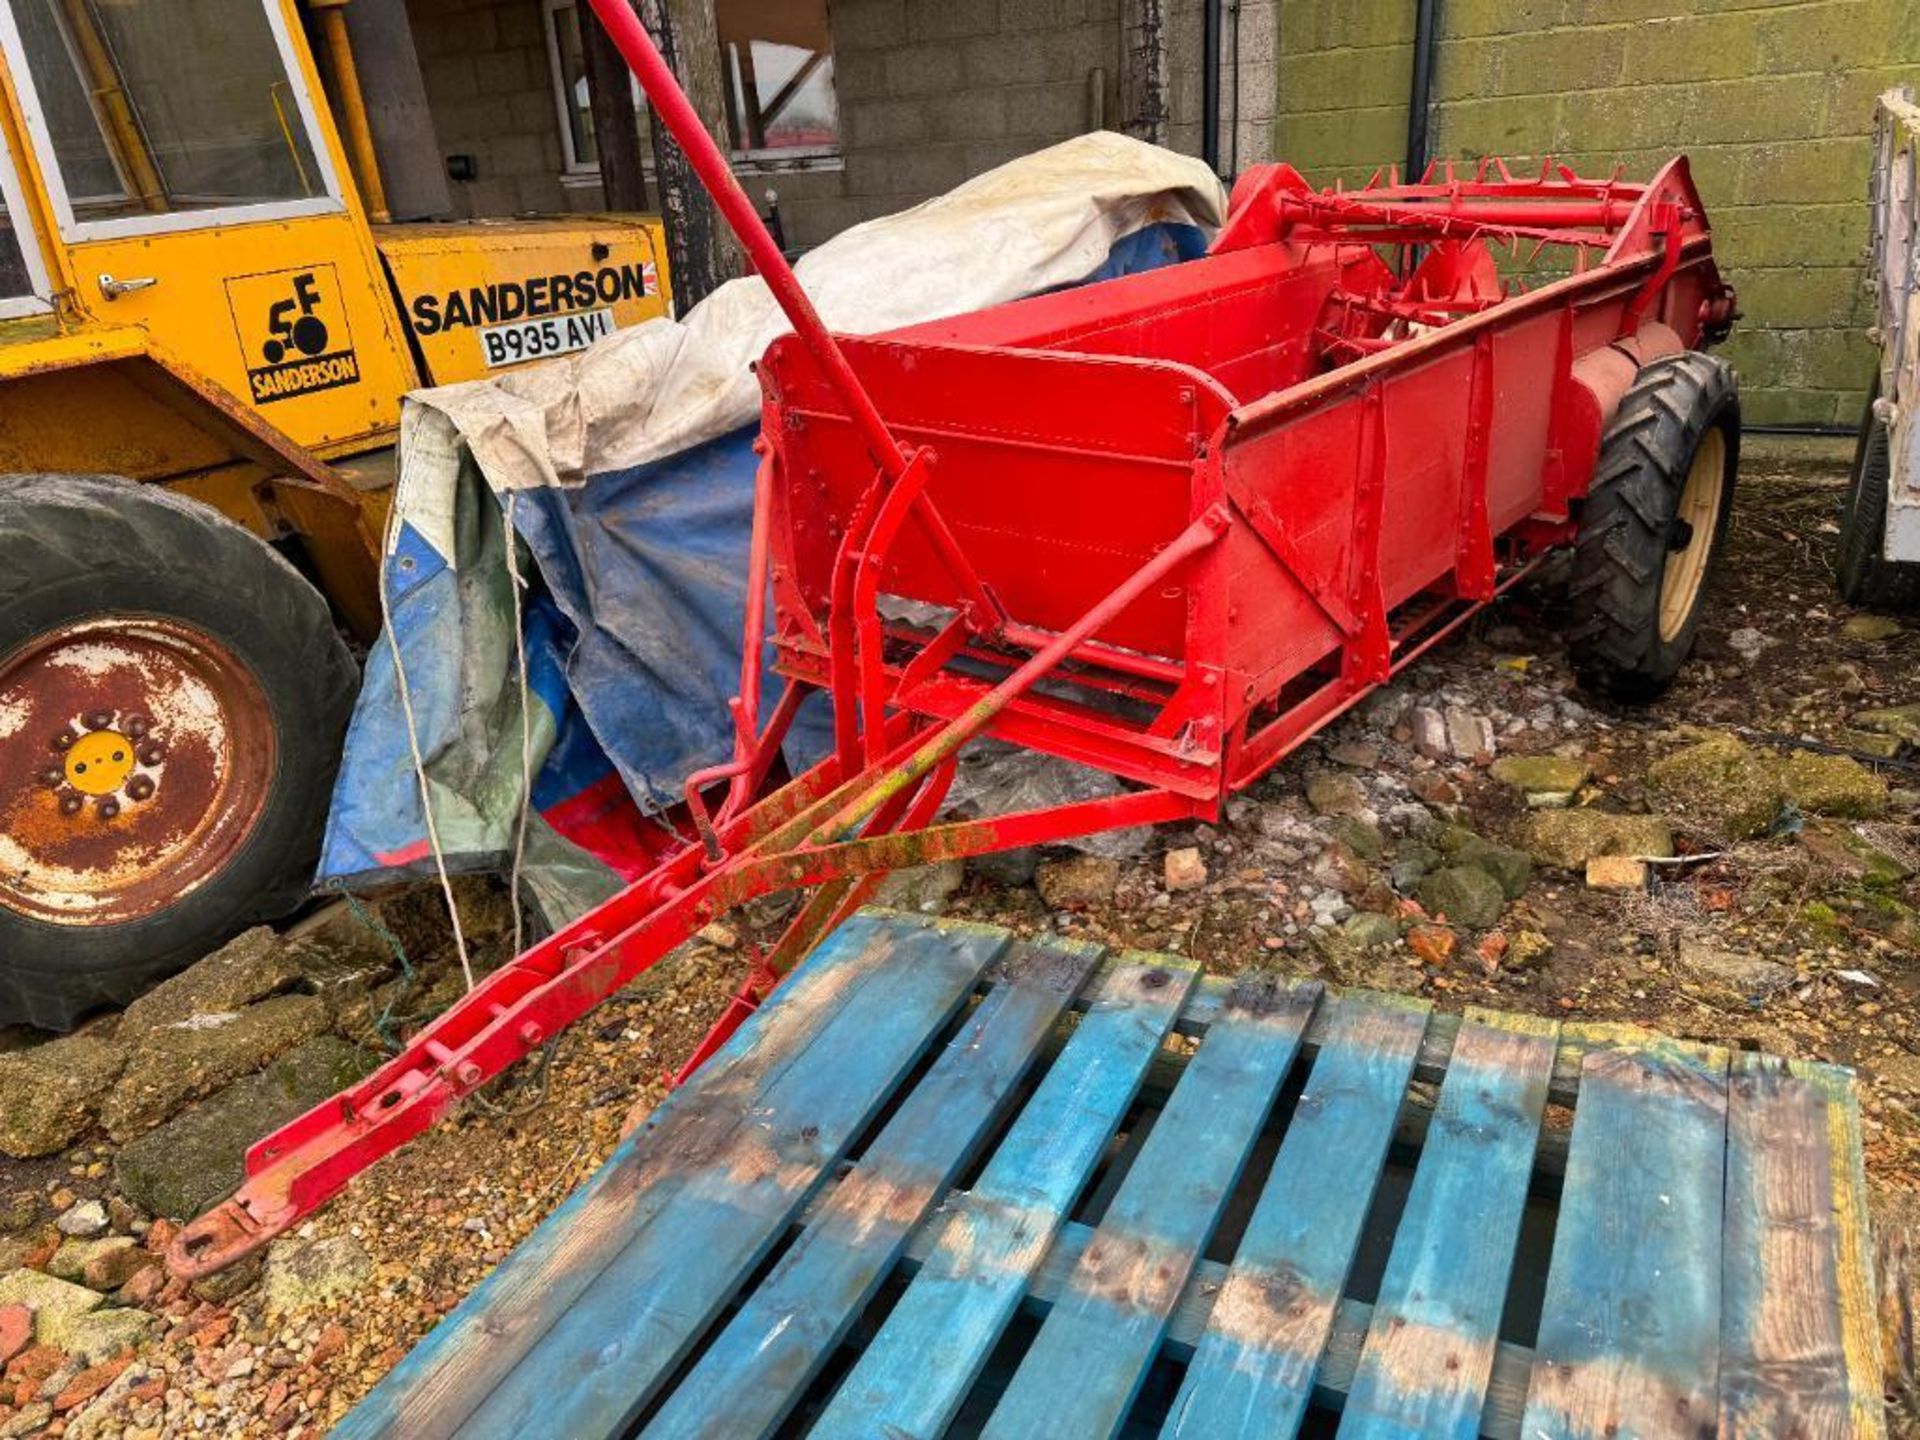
(670, 103)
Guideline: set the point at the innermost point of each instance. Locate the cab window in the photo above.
(159, 106)
(22, 282)
(16, 282)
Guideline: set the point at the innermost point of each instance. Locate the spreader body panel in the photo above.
(1386, 441)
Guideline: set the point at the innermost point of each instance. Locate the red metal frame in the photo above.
(1171, 526)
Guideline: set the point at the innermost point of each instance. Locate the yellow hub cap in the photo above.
(99, 762)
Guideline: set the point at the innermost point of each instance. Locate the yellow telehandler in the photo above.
(204, 343)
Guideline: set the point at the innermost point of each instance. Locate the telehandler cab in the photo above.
(204, 342)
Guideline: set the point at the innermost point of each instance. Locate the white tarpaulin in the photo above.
(1049, 219)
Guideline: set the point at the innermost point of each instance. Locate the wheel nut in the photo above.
(136, 726)
(70, 804)
(109, 807)
(151, 754)
(140, 787)
(64, 739)
(99, 719)
(52, 775)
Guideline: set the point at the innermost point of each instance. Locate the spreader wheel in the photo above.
(1865, 575)
(1653, 524)
(172, 701)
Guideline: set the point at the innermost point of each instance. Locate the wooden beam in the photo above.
(699, 255)
(616, 122)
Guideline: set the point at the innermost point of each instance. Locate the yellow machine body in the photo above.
(492, 294)
(257, 364)
(219, 306)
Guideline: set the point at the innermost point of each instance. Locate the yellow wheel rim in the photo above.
(1699, 507)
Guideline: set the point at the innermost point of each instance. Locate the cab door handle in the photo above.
(113, 289)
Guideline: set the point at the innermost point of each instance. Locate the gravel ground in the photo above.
(420, 1231)
(1286, 882)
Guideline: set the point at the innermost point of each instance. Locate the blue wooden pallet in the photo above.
(954, 1183)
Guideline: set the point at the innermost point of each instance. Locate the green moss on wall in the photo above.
(1771, 103)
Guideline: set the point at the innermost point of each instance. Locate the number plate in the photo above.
(538, 339)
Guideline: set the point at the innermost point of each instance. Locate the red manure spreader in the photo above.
(1168, 526)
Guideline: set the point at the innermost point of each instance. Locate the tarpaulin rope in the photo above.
(413, 747)
(517, 585)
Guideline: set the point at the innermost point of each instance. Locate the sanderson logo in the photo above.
(534, 297)
(293, 332)
(277, 382)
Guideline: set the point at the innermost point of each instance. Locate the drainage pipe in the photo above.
(1210, 84)
(1233, 121)
(1420, 93)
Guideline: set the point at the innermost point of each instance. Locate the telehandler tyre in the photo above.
(1860, 566)
(173, 697)
(1654, 522)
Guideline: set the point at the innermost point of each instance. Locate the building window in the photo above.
(567, 52)
(15, 283)
(23, 279)
(17, 276)
(777, 61)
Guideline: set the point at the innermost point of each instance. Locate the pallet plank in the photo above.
(601, 1360)
(770, 1351)
(1506, 1392)
(1252, 1372)
(441, 1381)
(915, 1374)
(1430, 1349)
(1106, 1326)
(1629, 1336)
(1435, 1045)
(1797, 1330)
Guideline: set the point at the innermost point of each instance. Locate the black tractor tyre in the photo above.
(202, 680)
(1860, 566)
(1653, 523)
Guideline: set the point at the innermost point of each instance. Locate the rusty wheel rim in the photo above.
(136, 756)
(1699, 507)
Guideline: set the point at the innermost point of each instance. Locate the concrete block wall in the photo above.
(1772, 102)
(1341, 73)
(1247, 139)
(489, 85)
(1771, 98)
(933, 92)
(1249, 130)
